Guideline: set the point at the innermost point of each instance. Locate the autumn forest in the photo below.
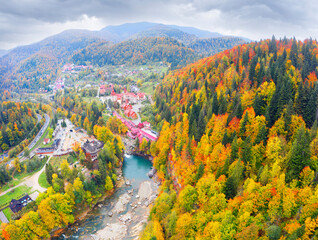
(232, 137)
(237, 153)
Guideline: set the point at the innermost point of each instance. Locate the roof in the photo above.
(92, 147)
(17, 205)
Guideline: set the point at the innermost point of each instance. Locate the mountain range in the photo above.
(61, 47)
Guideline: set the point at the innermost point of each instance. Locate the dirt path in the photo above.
(32, 181)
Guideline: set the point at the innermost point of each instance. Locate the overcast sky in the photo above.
(27, 21)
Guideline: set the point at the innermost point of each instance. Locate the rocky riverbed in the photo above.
(129, 213)
(124, 214)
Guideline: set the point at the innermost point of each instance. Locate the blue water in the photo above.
(135, 170)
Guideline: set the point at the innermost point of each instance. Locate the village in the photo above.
(67, 138)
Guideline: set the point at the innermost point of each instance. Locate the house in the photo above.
(46, 141)
(141, 96)
(130, 113)
(17, 205)
(146, 124)
(137, 132)
(43, 151)
(91, 149)
(126, 106)
(56, 131)
(102, 90)
(56, 143)
(77, 129)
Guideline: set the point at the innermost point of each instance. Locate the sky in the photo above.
(26, 21)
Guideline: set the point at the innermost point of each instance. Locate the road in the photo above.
(136, 108)
(34, 141)
(7, 154)
(32, 181)
(38, 136)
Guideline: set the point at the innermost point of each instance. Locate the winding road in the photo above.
(35, 140)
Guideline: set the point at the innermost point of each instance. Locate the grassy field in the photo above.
(7, 212)
(18, 179)
(15, 193)
(147, 88)
(89, 100)
(42, 180)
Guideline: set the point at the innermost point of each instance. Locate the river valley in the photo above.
(123, 215)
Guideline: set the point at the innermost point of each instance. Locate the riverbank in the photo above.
(84, 213)
(130, 223)
(130, 148)
(123, 214)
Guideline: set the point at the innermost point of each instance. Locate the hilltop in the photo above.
(46, 56)
(237, 152)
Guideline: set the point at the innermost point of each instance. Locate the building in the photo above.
(130, 114)
(43, 151)
(56, 131)
(17, 205)
(91, 149)
(127, 97)
(46, 141)
(77, 129)
(49, 150)
(105, 89)
(141, 96)
(140, 131)
(147, 125)
(56, 143)
(102, 90)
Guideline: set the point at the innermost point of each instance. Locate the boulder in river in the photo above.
(122, 201)
(147, 203)
(113, 231)
(152, 172)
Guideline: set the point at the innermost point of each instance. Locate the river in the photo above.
(129, 212)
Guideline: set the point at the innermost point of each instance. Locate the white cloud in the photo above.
(26, 21)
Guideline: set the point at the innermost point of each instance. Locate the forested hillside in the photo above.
(166, 31)
(17, 121)
(36, 65)
(210, 46)
(138, 51)
(33, 62)
(238, 148)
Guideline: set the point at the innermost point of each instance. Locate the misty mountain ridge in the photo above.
(57, 49)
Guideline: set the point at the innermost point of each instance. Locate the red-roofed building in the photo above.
(130, 113)
(135, 132)
(146, 125)
(126, 106)
(102, 90)
(141, 96)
